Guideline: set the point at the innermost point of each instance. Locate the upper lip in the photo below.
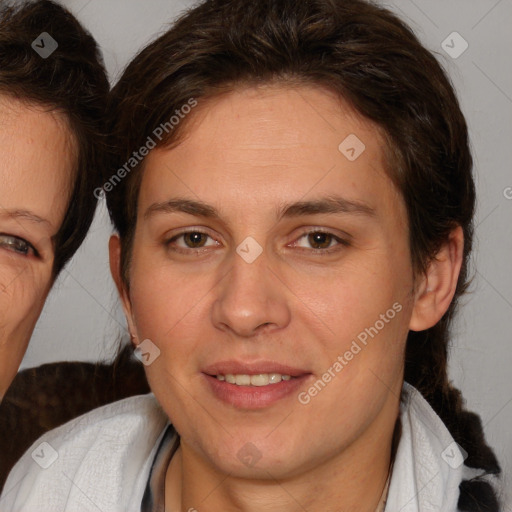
(252, 368)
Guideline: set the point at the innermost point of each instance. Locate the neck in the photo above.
(353, 480)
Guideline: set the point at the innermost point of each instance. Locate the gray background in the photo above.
(82, 319)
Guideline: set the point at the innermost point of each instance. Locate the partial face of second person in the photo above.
(328, 271)
(36, 156)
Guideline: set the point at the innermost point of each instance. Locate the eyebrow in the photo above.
(330, 204)
(24, 215)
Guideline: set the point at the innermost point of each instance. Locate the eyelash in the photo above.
(341, 242)
(30, 249)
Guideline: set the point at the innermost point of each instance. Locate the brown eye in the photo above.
(320, 240)
(187, 241)
(194, 239)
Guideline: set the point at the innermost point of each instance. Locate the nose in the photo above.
(250, 299)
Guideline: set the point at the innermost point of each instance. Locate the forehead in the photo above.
(259, 145)
(274, 119)
(37, 159)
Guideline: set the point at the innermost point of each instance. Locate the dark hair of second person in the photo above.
(72, 81)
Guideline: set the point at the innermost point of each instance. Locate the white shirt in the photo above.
(101, 461)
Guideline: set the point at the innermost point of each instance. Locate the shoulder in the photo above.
(100, 460)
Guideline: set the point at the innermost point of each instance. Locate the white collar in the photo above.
(429, 464)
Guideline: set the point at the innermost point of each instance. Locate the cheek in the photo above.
(365, 312)
(20, 306)
(165, 296)
(172, 311)
(21, 302)
(161, 300)
(352, 298)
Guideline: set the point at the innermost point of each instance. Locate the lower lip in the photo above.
(254, 397)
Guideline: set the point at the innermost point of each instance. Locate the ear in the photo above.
(435, 289)
(114, 248)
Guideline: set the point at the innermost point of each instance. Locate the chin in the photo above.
(242, 458)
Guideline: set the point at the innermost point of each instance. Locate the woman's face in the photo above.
(35, 162)
(270, 241)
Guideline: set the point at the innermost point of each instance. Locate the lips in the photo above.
(252, 368)
(253, 385)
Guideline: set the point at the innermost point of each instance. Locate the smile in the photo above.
(262, 379)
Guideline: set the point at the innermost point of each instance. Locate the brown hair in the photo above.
(370, 58)
(71, 80)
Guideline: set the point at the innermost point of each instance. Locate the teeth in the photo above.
(263, 379)
(242, 380)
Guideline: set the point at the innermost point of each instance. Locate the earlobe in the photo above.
(436, 288)
(114, 247)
